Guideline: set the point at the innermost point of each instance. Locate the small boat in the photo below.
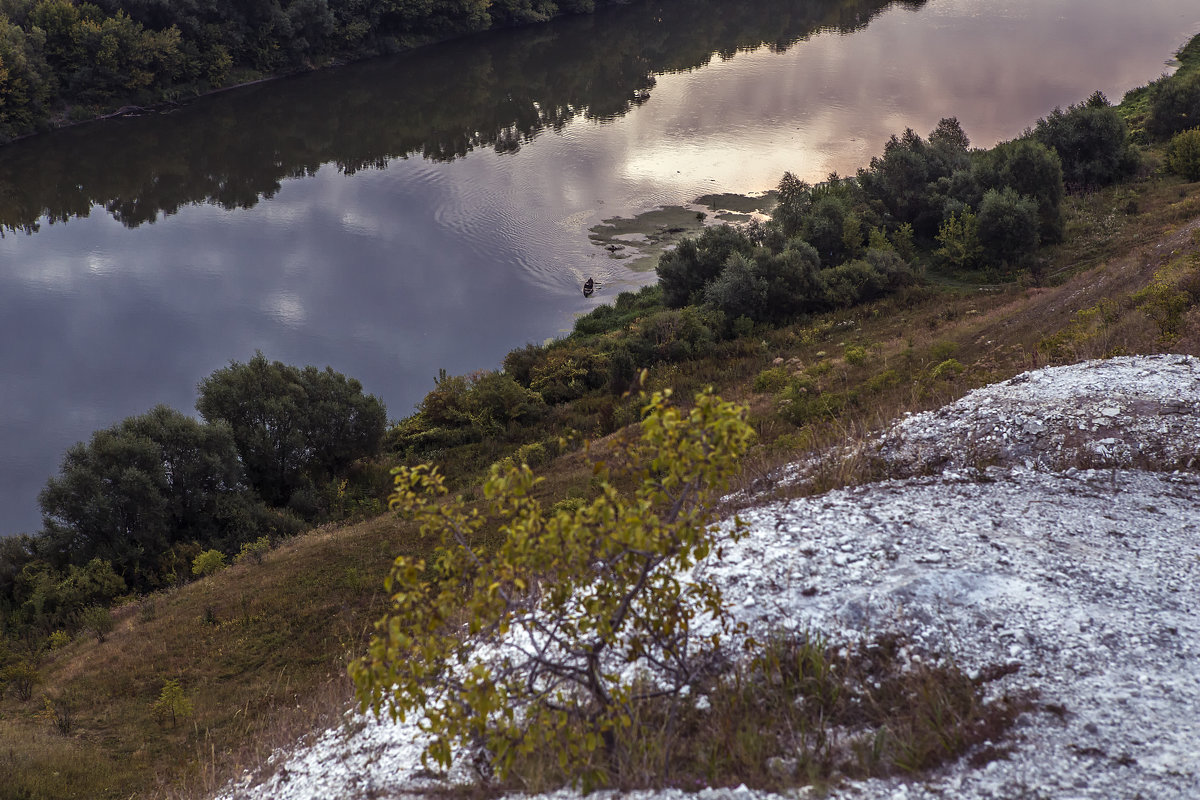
(589, 286)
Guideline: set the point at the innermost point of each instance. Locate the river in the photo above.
(432, 210)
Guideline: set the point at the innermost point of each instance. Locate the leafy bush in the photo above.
(902, 184)
(959, 240)
(1183, 154)
(942, 350)
(1174, 105)
(832, 228)
(254, 551)
(59, 712)
(1092, 141)
(694, 263)
(772, 380)
(738, 291)
(793, 282)
(1031, 169)
(58, 640)
(98, 621)
(950, 368)
(802, 403)
(675, 335)
(22, 676)
(208, 563)
(855, 355)
(604, 574)
(1008, 227)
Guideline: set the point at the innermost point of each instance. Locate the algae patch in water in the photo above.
(640, 240)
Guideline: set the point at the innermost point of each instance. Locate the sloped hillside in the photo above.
(1074, 586)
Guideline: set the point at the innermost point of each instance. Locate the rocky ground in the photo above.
(1051, 526)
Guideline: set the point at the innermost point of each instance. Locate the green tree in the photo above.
(1092, 141)
(793, 281)
(959, 240)
(172, 704)
(292, 426)
(1031, 169)
(98, 621)
(738, 291)
(902, 185)
(555, 611)
(794, 201)
(1008, 227)
(1183, 154)
(685, 271)
(1174, 105)
(137, 488)
(208, 563)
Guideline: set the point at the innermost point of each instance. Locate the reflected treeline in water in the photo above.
(487, 91)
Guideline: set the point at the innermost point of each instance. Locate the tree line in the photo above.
(57, 55)
(489, 92)
(925, 203)
(276, 448)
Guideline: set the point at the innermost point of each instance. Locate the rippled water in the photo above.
(431, 210)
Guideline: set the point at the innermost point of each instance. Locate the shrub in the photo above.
(1008, 227)
(604, 575)
(22, 676)
(855, 355)
(59, 712)
(58, 640)
(172, 704)
(959, 240)
(1029, 168)
(832, 229)
(254, 551)
(208, 562)
(1183, 154)
(950, 368)
(793, 282)
(98, 621)
(942, 350)
(519, 363)
(772, 380)
(900, 183)
(802, 403)
(694, 263)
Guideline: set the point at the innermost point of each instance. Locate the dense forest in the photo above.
(62, 56)
(497, 93)
(63, 60)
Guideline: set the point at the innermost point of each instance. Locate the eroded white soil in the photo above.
(1087, 579)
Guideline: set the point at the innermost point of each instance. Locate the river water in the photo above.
(432, 210)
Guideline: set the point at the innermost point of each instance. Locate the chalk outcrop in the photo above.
(1084, 582)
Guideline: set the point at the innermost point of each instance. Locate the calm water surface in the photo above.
(431, 210)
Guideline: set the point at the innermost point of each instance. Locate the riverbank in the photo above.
(77, 65)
